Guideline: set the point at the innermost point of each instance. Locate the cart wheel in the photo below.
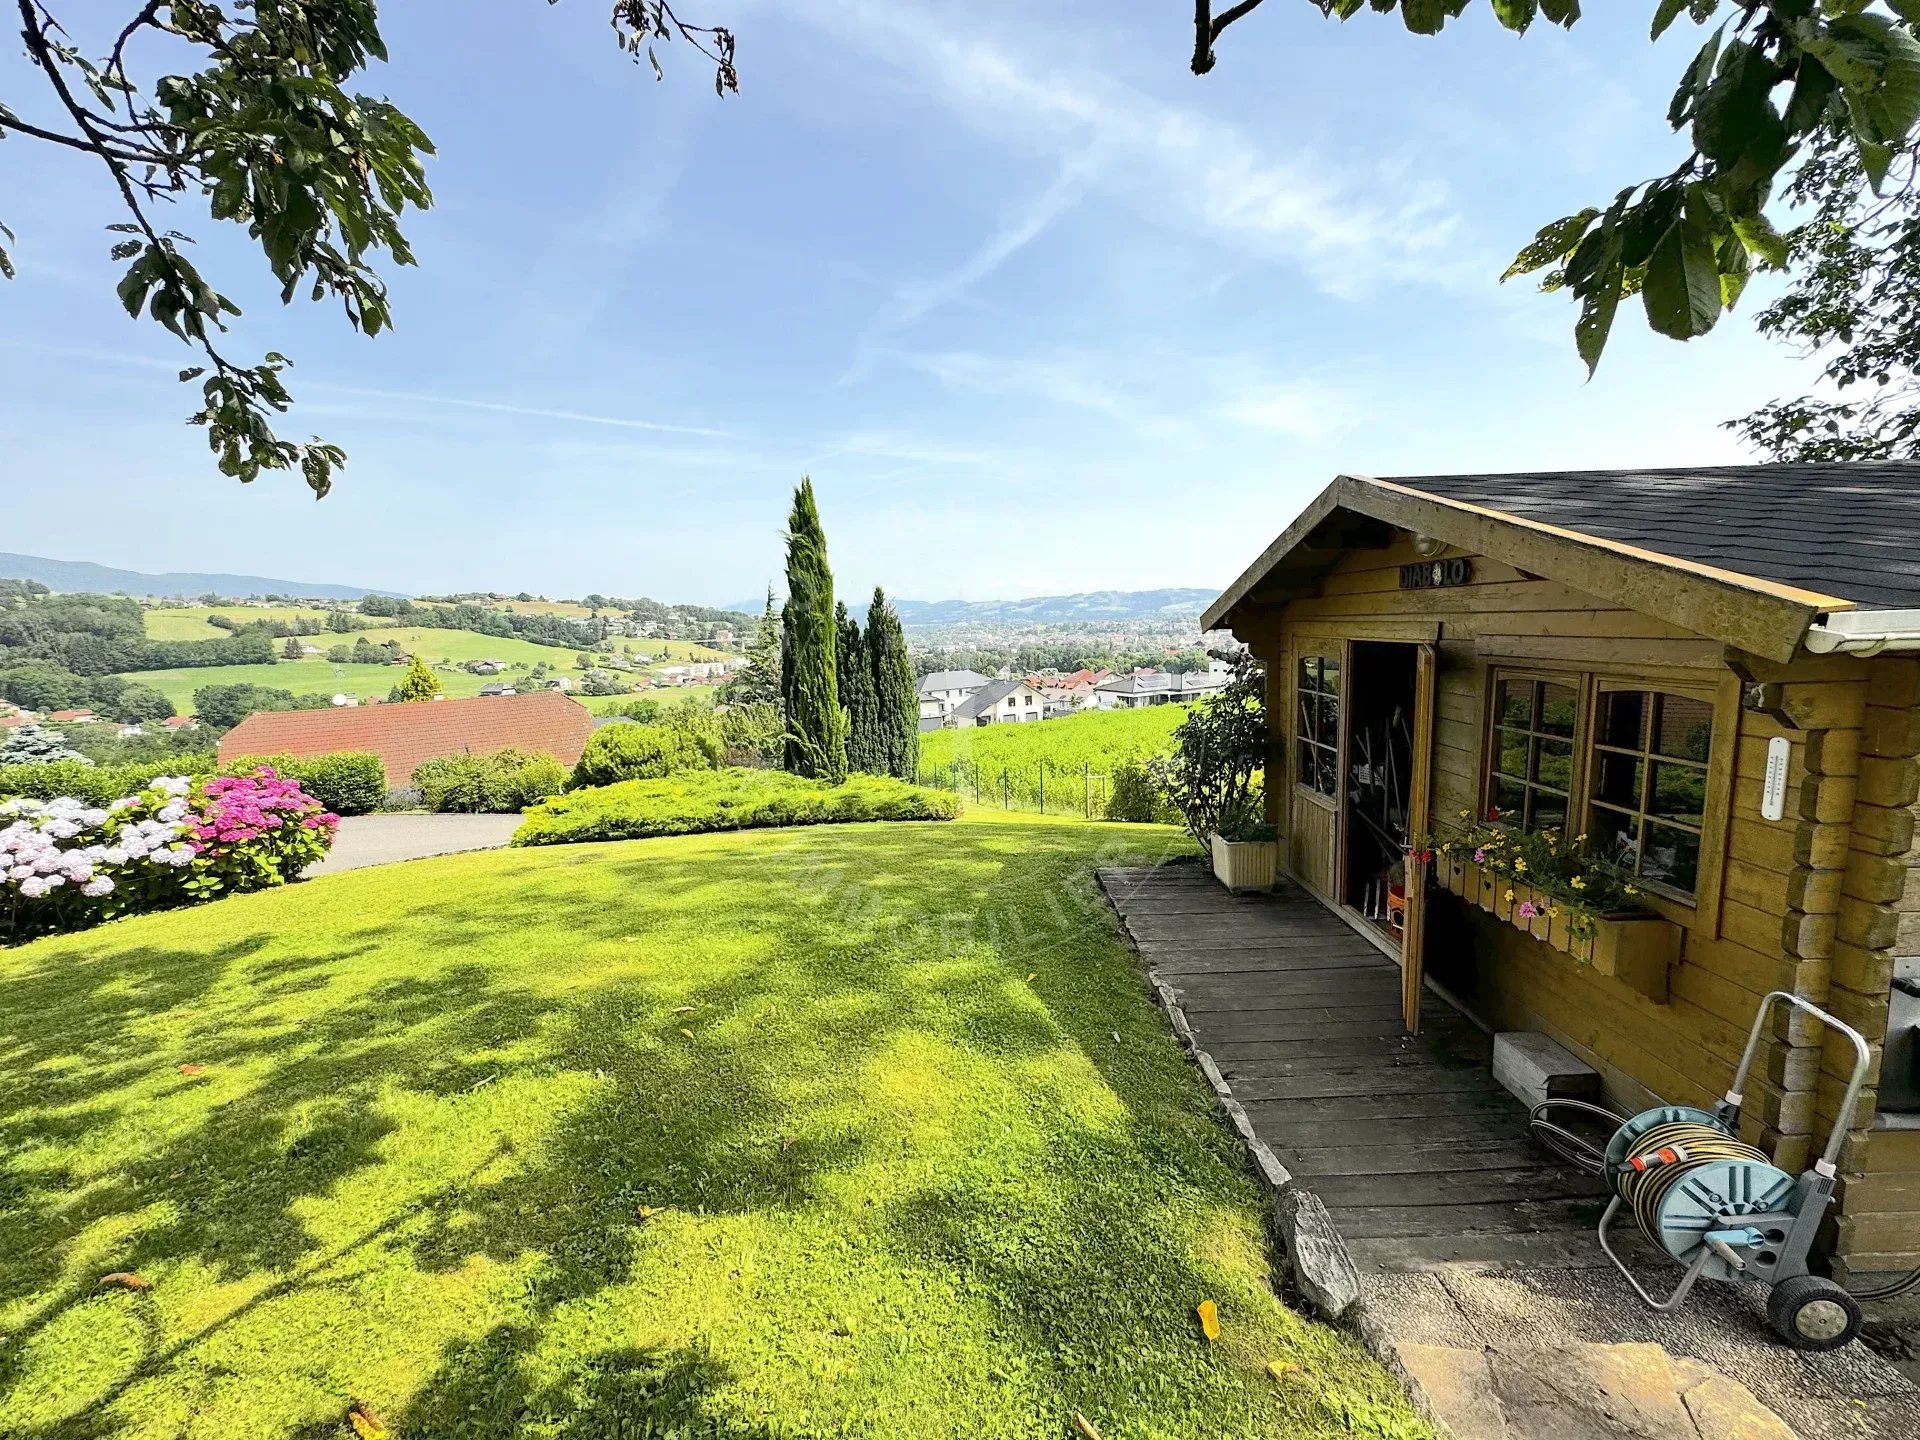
(1813, 1313)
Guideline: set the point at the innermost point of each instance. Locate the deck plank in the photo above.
(1421, 1158)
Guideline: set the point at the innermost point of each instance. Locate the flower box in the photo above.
(1246, 865)
(1637, 948)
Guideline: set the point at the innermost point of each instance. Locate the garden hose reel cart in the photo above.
(1719, 1207)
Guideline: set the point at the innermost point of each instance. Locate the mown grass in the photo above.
(850, 1131)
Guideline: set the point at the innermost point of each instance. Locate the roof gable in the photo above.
(1752, 612)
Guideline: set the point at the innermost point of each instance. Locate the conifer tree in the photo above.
(857, 697)
(758, 681)
(809, 675)
(896, 703)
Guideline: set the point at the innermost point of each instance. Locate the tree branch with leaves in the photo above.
(267, 134)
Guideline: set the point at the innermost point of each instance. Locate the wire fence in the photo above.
(1048, 789)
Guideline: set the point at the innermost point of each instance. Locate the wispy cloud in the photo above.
(1308, 410)
(578, 417)
(1175, 165)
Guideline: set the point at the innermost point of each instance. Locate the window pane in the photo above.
(1672, 858)
(1556, 709)
(1326, 781)
(1507, 801)
(1611, 836)
(1617, 780)
(1683, 727)
(1303, 762)
(1679, 793)
(1553, 764)
(1549, 811)
(1329, 721)
(1510, 753)
(1309, 675)
(1330, 675)
(1622, 717)
(1513, 704)
(1308, 726)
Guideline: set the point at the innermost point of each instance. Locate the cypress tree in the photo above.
(809, 676)
(758, 681)
(857, 696)
(896, 703)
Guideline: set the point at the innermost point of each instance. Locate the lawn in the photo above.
(1078, 754)
(847, 1131)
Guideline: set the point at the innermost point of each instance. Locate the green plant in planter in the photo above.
(1219, 756)
(1578, 885)
(1246, 825)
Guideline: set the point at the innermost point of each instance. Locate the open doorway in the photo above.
(1381, 689)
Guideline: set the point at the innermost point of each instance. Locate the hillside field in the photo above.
(1100, 739)
(607, 704)
(188, 623)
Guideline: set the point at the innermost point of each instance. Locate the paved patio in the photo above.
(1481, 1279)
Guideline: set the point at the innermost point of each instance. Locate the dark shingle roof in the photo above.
(1851, 531)
(985, 698)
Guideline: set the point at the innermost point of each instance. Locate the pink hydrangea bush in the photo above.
(66, 864)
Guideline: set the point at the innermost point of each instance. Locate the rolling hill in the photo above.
(1091, 605)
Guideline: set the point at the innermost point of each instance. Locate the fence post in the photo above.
(1089, 800)
(1043, 787)
(1006, 790)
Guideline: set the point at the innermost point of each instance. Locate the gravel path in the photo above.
(382, 839)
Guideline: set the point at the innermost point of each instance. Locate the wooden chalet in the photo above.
(1624, 654)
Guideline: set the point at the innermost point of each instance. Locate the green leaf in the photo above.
(1561, 12)
(1735, 115)
(1551, 243)
(1694, 82)
(1682, 289)
(1735, 267)
(1668, 12)
(1423, 17)
(1516, 15)
(1813, 87)
(1756, 232)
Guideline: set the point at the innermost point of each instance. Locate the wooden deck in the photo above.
(1420, 1156)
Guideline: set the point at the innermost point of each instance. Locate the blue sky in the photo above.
(1039, 310)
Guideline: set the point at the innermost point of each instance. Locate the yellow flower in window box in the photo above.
(1578, 882)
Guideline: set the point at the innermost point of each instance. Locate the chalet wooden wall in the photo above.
(1804, 904)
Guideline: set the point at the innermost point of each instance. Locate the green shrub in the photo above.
(730, 799)
(347, 782)
(500, 783)
(629, 751)
(95, 784)
(1138, 798)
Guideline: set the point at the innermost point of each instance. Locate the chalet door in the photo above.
(1313, 804)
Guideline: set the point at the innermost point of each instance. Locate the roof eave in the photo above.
(1760, 616)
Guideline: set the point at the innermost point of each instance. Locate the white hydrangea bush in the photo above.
(65, 863)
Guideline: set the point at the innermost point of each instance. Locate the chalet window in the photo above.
(1647, 784)
(1530, 770)
(1316, 740)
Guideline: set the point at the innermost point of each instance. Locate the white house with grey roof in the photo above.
(999, 702)
(944, 689)
(1130, 692)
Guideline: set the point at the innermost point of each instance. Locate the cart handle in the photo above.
(1862, 1061)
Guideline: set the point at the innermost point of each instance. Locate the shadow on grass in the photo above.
(929, 943)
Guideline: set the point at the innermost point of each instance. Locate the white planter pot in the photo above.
(1246, 864)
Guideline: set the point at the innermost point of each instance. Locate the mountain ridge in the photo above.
(85, 575)
(1172, 603)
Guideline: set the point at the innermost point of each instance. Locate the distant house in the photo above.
(405, 735)
(485, 667)
(723, 636)
(181, 722)
(999, 702)
(944, 689)
(498, 688)
(1064, 694)
(1130, 692)
(562, 683)
(71, 717)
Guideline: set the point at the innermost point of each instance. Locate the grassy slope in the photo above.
(607, 704)
(894, 1186)
(188, 624)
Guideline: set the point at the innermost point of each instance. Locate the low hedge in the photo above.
(730, 799)
(95, 784)
(347, 782)
(631, 751)
(498, 784)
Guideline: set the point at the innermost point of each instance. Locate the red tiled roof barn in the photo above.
(403, 735)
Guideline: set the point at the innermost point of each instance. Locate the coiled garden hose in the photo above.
(1663, 1157)
(1643, 1188)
